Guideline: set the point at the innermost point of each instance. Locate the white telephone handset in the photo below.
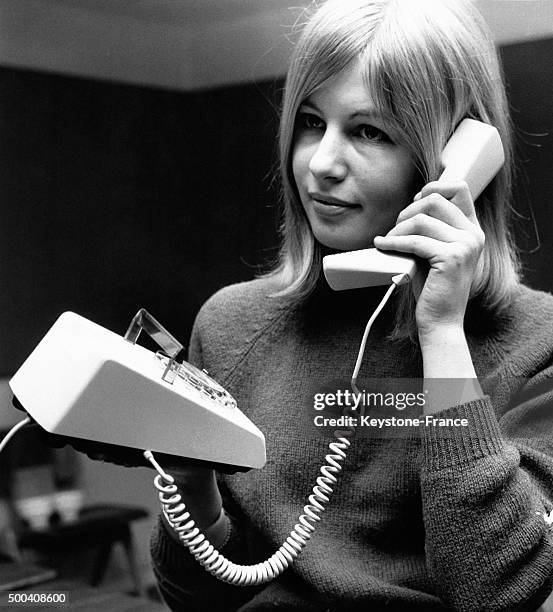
(474, 154)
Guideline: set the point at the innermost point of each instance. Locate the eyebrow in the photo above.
(361, 112)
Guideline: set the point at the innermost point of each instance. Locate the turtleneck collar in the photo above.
(353, 304)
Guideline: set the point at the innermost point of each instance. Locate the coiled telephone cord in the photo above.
(211, 559)
(222, 568)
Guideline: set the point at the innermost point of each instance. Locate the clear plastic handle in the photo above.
(143, 320)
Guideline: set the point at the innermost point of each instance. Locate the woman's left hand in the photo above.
(441, 227)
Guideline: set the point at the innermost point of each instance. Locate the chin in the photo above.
(335, 243)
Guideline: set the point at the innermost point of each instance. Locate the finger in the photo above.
(421, 246)
(457, 192)
(435, 205)
(425, 225)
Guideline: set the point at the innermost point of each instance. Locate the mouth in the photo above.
(329, 207)
(331, 201)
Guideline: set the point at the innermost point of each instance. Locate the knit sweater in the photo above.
(419, 521)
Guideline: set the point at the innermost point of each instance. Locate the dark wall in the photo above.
(529, 75)
(115, 197)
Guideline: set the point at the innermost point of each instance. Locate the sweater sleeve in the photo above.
(486, 494)
(183, 583)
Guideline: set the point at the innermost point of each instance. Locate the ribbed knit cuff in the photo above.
(448, 446)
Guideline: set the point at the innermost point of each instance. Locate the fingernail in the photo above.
(417, 197)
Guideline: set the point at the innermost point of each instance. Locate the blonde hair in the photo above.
(429, 64)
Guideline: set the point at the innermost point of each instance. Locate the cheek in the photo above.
(299, 165)
(402, 182)
(389, 189)
(386, 191)
(408, 175)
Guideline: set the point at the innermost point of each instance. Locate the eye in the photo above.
(370, 132)
(310, 121)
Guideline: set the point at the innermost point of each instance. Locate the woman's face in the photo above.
(352, 175)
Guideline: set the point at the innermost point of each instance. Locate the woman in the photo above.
(420, 520)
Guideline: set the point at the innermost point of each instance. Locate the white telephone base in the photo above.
(84, 381)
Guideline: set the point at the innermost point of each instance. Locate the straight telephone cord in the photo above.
(174, 509)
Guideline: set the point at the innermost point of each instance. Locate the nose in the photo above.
(328, 161)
